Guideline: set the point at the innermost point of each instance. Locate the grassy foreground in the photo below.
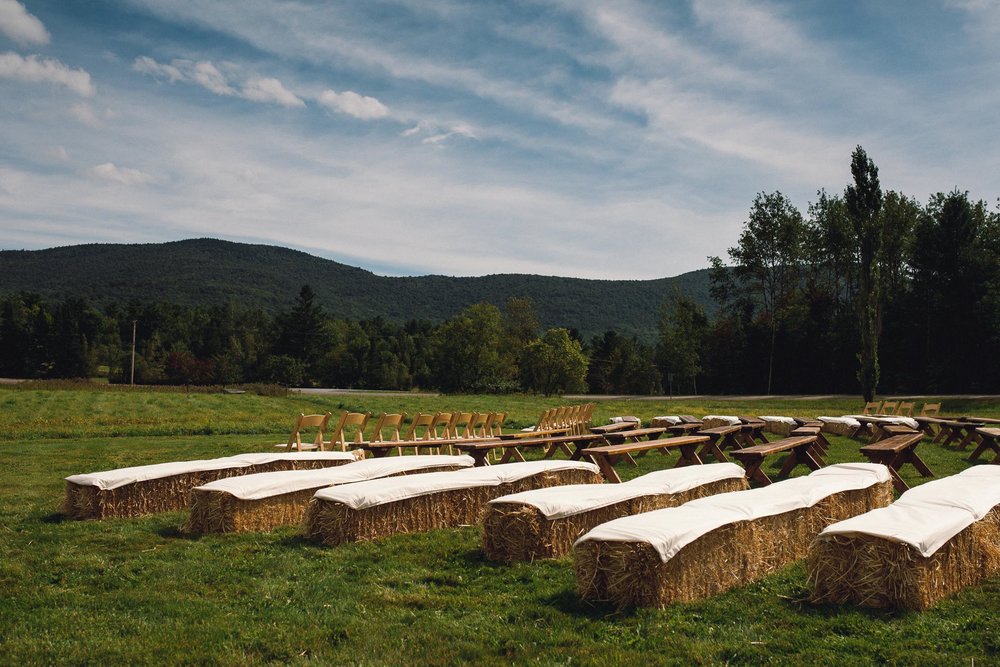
(141, 591)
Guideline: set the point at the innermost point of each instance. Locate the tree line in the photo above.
(867, 291)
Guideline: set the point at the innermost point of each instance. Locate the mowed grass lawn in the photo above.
(142, 591)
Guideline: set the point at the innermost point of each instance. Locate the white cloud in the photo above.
(270, 90)
(58, 153)
(110, 172)
(349, 102)
(19, 25)
(208, 76)
(147, 65)
(85, 114)
(44, 70)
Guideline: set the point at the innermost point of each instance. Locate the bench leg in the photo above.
(689, 456)
(888, 461)
(910, 456)
(984, 444)
(607, 469)
(712, 448)
(755, 473)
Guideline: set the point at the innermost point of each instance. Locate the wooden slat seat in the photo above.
(611, 428)
(896, 451)
(684, 428)
(801, 452)
(822, 444)
(607, 455)
(635, 434)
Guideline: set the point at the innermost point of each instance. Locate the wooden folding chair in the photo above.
(872, 408)
(421, 429)
(350, 420)
(460, 425)
(496, 423)
(930, 410)
(441, 428)
(303, 421)
(479, 423)
(905, 409)
(889, 407)
(391, 423)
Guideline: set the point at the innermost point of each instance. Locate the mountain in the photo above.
(212, 272)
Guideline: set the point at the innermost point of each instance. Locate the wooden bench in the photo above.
(684, 428)
(517, 435)
(988, 439)
(752, 431)
(822, 444)
(800, 450)
(896, 451)
(606, 456)
(634, 434)
(611, 428)
(883, 431)
(479, 449)
(954, 429)
(720, 438)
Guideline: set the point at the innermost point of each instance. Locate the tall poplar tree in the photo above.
(864, 204)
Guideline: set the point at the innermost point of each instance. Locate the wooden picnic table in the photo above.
(822, 444)
(720, 438)
(606, 456)
(385, 447)
(801, 452)
(634, 435)
(896, 451)
(480, 449)
(611, 428)
(989, 438)
(953, 429)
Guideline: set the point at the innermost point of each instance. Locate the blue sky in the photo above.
(620, 139)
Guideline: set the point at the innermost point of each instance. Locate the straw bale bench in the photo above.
(895, 452)
(544, 523)
(937, 539)
(841, 425)
(479, 450)
(271, 499)
(988, 440)
(164, 487)
(779, 425)
(607, 455)
(417, 503)
(801, 449)
(712, 544)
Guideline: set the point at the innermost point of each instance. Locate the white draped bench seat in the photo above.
(417, 503)
(164, 487)
(937, 539)
(715, 543)
(544, 523)
(268, 500)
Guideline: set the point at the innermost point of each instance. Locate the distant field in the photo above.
(141, 591)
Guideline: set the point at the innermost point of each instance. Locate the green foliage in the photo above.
(554, 363)
(465, 350)
(683, 337)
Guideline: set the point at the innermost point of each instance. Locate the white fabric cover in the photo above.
(670, 419)
(902, 421)
(845, 420)
(364, 495)
(782, 420)
(728, 419)
(927, 516)
(670, 530)
(269, 484)
(632, 419)
(559, 502)
(112, 479)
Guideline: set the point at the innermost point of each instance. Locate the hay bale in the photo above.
(267, 501)
(520, 531)
(331, 522)
(778, 425)
(714, 421)
(709, 546)
(131, 492)
(840, 425)
(934, 541)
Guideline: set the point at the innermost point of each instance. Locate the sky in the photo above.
(620, 139)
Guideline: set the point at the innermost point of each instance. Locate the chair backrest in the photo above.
(889, 407)
(420, 427)
(441, 426)
(496, 423)
(872, 408)
(319, 422)
(355, 421)
(479, 423)
(905, 409)
(930, 410)
(545, 419)
(460, 425)
(388, 422)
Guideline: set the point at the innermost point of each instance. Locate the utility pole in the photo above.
(133, 353)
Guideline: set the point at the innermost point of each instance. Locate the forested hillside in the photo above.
(209, 272)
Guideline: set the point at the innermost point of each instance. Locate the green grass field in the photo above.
(141, 591)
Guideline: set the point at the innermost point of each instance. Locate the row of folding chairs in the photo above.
(900, 409)
(575, 419)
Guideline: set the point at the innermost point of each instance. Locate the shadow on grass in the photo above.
(178, 533)
(569, 602)
(55, 517)
(830, 611)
